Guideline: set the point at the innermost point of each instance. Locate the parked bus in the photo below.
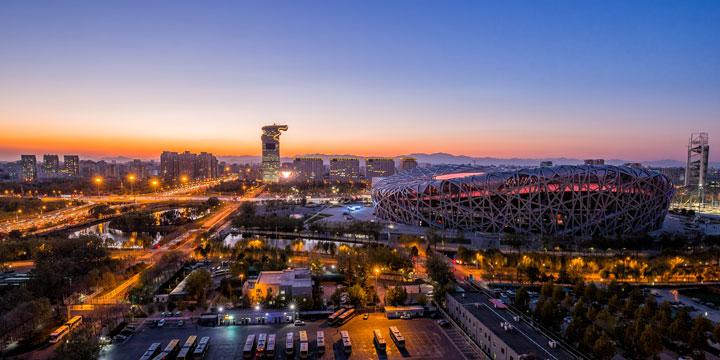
(184, 354)
(201, 348)
(379, 341)
(162, 356)
(74, 322)
(270, 350)
(58, 334)
(346, 316)
(302, 335)
(289, 344)
(151, 352)
(249, 344)
(187, 350)
(397, 337)
(334, 317)
(304, 347)
(172, 347)
(260, 349)
(345, 337)
(320, 342)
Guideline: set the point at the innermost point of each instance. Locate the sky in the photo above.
(581, 79)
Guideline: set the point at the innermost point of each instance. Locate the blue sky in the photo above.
(614, 79)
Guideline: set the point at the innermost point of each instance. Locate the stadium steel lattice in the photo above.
(575, 200)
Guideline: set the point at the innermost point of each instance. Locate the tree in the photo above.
(422, 300)
(396, 296)
(522, 298)
(356, 295)
(604, 348)
(697, 340)
(590, 336)
(514, 240)
(212, 202)
(336, 297)
(81, 345)
(198, 283)
(650, 342)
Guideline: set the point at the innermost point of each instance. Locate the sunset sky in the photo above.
(606, 79)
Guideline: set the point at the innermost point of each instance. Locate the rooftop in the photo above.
(522, 338)
(287, 277)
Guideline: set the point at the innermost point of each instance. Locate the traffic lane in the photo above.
(424, 339)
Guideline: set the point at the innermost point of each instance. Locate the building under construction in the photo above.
(696, 170)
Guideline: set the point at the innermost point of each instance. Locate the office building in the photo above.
(72, 165)
(594, 162)
(408, 163)
(186, 165)
(282, 285)
(169, 165)
(51, 165)
(546, 163)
(29, 167)
(696, 169)
(500, 334)
(271, 152)
(344, 169)
(379, 167)
(308, 169)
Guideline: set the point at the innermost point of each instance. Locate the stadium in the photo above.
(583, 200)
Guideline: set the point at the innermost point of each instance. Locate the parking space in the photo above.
(424, 340)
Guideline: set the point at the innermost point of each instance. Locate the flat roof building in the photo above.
(51, 165)
(496, 331)
(379, 167)
(29, 167)
(408, 163)
(309, 168)
(344, 169)
(72, 165)
(283, 285)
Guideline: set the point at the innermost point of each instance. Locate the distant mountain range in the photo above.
(435, 158)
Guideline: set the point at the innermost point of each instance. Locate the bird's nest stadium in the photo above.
(581, 200)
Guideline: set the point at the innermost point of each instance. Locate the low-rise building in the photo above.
(281, 285)
(498, 333)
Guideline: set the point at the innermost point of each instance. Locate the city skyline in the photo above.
(487, 80)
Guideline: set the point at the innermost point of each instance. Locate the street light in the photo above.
(98, 180)
(154, 183)
(184, 180)
(17, 216)
(132, 186)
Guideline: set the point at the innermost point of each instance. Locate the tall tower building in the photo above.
(271, 152)
(72, 165)
(187, 164)
(50, 165)
(29, 167)
(206, 166)
(697, 161)
(169, 165)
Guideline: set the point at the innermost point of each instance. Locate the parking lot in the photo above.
(424, 339)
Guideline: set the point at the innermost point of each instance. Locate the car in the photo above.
(181, 323)
(120, 337)
(568, 319)
(366, 316)
(161, 323)
(131, 329)
(443, 323)
(299, 323)
(406, 317)
(177, 313)
(162, 314)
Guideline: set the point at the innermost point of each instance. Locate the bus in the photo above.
(334, 317)
(261, 346)
(249, 344)
(270, 349)
(172, 347)
(302, 335)
(347, 345)
(74, 322)
(346, 316)
(304, 350)
(397, 337)
(58, 334)
(379, 341)
(162, 356)
(187, 350)
(320, 342)
(184, 354)
(289, 344)
(151, 352)
(201, 348)
(191, 342)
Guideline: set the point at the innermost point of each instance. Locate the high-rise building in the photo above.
(696, 169)
(344, 169)
(169, 166)
(207, 167)
(187, 165)
(50, 165)
(271, 151)
(408, 163)
(595, 162)
(379, 167)
(308, 169)
(72, 165)
(29, 167)
(137, 169)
